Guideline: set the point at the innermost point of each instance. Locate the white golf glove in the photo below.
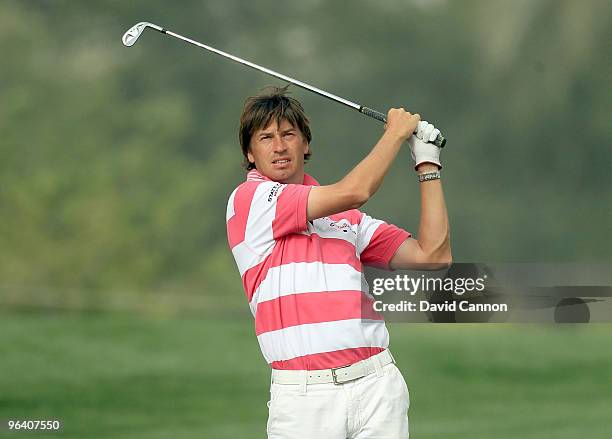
(421, 150)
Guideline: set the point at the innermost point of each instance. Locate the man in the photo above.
(300, 249)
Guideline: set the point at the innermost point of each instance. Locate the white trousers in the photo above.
(372, 407)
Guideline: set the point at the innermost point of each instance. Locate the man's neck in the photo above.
(307, 179)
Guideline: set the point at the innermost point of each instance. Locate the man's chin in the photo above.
(283, 175)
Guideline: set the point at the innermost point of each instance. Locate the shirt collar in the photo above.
(255, 175)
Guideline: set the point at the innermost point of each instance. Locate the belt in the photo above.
(336, 375)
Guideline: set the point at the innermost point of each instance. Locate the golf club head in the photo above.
(131, 36)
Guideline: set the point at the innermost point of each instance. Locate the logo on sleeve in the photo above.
(274, 191)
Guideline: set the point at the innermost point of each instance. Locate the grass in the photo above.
(129, 376)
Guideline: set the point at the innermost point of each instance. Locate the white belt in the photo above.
(336, 375)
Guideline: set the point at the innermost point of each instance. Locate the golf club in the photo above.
(132, 35)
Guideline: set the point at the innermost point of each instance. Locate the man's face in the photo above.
(278, 152)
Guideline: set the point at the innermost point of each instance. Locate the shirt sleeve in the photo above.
(378, 241)
(269, 210)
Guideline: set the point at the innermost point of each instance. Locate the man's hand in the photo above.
(422, 151)
(406, 126)
(401, 123)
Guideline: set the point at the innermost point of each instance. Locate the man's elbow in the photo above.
(436, 263)
(444, 261)
(444, 254)
(355, 192)
(439, 258)
(355, 196)
(358, 199)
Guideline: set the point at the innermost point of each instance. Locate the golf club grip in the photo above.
(439, 142)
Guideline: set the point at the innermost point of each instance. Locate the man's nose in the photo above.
(279, 145)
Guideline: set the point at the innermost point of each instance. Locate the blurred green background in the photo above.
(118, 292)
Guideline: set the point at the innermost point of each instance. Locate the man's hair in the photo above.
(271, 103)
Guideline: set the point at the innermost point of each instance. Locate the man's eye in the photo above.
(288, 134)
(264, 137)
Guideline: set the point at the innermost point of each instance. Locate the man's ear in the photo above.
(306, 147)
(250, 157)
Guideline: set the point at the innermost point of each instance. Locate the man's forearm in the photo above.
(364, 180)
(434, 231)
(368, 175)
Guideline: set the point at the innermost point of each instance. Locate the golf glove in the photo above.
(421, 150)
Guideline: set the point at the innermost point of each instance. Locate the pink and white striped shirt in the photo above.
(304, 279)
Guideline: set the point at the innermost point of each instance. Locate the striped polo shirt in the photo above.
(304, 279)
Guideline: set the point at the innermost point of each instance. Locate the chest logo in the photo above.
(274, 192)
(342, 225)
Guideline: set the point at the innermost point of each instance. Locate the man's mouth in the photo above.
(281, 161)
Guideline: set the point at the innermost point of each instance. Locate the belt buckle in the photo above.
(335, 377)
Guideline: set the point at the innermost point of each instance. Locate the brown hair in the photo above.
(271, 102)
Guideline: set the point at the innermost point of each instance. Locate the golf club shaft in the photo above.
(439, 141)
